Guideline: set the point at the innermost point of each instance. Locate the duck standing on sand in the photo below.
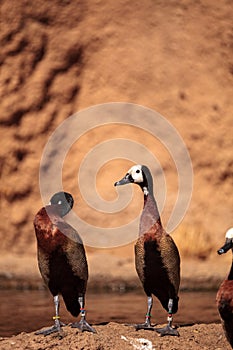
(225, 293)
(156, 255)
(62, 260)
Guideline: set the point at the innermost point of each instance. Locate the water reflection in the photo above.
(26, 311)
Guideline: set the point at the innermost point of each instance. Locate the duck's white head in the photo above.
(138, 174)
(134, 175)
(228, 243)
(229, 233)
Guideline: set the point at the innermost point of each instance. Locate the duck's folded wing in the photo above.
(74, 250)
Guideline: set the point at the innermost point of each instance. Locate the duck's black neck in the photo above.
(150, 204)
(147, 184)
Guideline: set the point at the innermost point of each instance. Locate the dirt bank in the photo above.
(117, 336)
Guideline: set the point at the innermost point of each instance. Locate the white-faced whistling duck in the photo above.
(225, 293)
(62, 260)
(157, 258)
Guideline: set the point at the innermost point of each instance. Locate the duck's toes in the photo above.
(51, 330)
(168, 330)
(145, 326)
(83, 326)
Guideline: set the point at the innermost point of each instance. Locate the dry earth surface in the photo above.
(117, 336)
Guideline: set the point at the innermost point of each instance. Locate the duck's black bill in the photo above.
(123, 181)
(126, 180)
(228, 245)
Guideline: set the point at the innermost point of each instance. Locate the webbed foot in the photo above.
(167, 330)
(83, 326)
(146, 326)
(55, 328)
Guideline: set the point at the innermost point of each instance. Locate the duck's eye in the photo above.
(138, 171)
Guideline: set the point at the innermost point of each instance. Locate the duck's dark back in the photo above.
(61, 257)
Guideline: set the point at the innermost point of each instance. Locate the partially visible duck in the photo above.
(225, 293)
(157, 258)
(62, 260)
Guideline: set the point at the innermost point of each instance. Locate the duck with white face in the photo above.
(157, 258)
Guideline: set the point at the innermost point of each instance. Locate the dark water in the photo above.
(26, 311)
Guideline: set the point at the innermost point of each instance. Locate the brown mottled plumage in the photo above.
(224, 296)
(156, 255)
(61, 259)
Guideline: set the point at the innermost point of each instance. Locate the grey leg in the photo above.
(57, 323)
(147, 324)
(83, 325)
(168, 329)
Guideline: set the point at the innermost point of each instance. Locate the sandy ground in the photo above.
(114, 336)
